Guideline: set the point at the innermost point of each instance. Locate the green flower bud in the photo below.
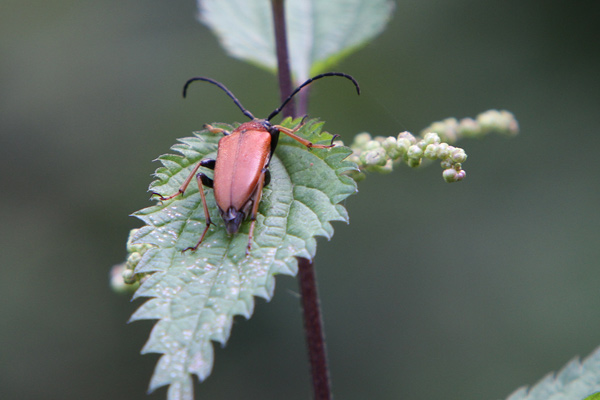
(458, 155)
(116, 278)
(421, 144)
(453, 175)
(403, 145)
(136, 247)
(133, 259)
(374, 157)
(382, 169)
(354, 157)
(414, 151)
(129, 277)
(510, 122)
(447, 164)
(451, 129)
(437, 127)
(390, 145)
(361, 139)
(468, 127)
(443, 151)
(449, 175)
(130, 246)
(407, 135)
(446, 129)
(117, 281)
(490, 121)
(413, 162)
(372, 145)
(431, 138)
(431, 151)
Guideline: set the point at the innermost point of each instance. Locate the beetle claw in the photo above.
(160, 196)
(163, 198)
(213, 129)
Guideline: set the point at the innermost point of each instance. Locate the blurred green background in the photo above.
(435, 290)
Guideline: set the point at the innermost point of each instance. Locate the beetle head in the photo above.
(233, 219)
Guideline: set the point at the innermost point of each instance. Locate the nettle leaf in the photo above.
(195, 294)
(320, 33)
(574, 382)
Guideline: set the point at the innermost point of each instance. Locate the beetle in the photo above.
(241, 166)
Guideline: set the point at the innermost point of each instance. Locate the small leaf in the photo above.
(574, 382)
(320, 33)
(195, 294)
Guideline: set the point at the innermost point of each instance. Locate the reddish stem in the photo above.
(283, 62)
(313, 322)
(313, 328)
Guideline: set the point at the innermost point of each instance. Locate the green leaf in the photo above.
(320, 33)
(195, 294)
(574, 382)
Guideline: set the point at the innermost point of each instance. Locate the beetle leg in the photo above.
(292, 133)
(202, 180)
(257, 196)
(213, 129)
(208, 163)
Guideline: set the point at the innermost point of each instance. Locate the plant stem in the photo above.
(283, 61)
(313, 322)
(313, 327)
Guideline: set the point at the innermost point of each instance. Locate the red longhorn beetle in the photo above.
(241, 167)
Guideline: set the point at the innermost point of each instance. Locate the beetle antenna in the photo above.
(220, 85)
(308, 82)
